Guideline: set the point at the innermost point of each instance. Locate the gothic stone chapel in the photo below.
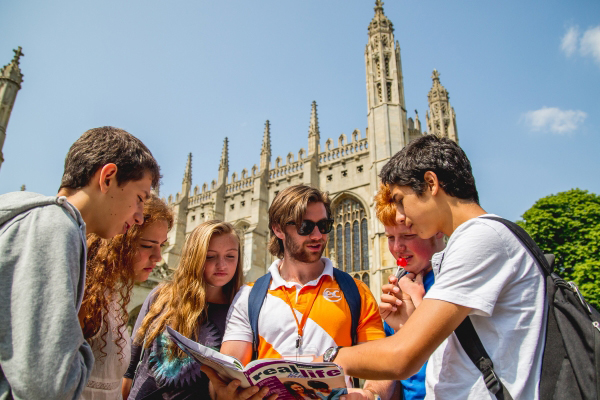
(347, 168)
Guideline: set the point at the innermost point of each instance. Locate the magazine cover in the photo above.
(291, 380)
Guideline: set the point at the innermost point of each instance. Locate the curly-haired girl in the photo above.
(113, 267)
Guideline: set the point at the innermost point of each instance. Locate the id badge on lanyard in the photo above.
(303, 351)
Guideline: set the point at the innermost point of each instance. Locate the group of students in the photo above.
(69, 262)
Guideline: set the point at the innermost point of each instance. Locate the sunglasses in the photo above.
(307, 226)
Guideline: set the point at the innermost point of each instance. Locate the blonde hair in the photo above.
(290, 205)
(385, 210)
(181, 302)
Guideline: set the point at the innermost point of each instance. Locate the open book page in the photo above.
(288, 379)
(226, 366)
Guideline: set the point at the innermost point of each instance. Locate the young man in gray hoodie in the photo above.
(108, 175)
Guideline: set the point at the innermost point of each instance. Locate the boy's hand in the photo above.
(396, 306)
(223, 390)
(412, 285)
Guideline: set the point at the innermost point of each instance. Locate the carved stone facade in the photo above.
(347, 168)
(10, 84)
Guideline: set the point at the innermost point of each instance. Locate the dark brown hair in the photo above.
(432, 153)
(290, 205)
(100, 146)
(110, 274)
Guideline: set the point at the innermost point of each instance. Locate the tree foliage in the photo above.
(567, 224)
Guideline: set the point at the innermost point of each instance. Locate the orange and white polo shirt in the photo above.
(328, 323)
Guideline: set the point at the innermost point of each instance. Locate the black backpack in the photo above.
(570, 364)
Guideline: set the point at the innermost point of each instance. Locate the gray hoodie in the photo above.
(43, 354)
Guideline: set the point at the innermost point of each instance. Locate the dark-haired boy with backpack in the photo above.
(485, 275)
(107, 178)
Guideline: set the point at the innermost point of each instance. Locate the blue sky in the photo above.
(523, 78)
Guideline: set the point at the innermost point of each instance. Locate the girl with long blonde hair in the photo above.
(195, 303)
(113, 266)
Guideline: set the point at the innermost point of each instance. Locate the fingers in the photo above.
(393, 288)
(392, 279)
(232, 390)
(388, 299)
(253, 393)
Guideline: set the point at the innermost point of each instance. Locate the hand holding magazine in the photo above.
(288, 379)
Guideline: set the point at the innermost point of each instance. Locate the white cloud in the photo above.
(586, 44)
(555, 120)
(590, 43)
(568, 43)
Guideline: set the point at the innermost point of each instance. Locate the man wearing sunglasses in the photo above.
(304, 312)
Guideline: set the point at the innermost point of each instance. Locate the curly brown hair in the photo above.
(110, 274)
(181, 302)
(385, 210)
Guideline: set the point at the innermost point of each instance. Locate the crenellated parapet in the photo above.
(287, 171)
(237, 185)
(345, 149)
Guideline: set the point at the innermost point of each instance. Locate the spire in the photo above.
(225, 156)
(441, 119)
(437, 92)
(187, 175)
(266, 143)
(11, 71)
(380, 23)
(265, 151)
(417, 121)
(313, 128)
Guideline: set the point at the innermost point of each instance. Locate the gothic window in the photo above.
(378, 67)
(365, 244)
(349, 245)
(340, 246)
(365, 278)
(348, 250)
(379, 92)
(355, 247)
(389, 90)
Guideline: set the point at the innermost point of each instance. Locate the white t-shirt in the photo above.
(486, 268)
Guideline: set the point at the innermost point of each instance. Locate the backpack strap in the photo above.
(255, 301)
(466, 334)
(554, 349)
(352, 296)
(470, 342)
(542, 260)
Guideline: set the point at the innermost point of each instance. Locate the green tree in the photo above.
(567, 224)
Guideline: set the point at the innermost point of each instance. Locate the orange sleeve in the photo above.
(370, 326)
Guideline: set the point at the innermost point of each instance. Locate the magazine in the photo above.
(288, 379)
